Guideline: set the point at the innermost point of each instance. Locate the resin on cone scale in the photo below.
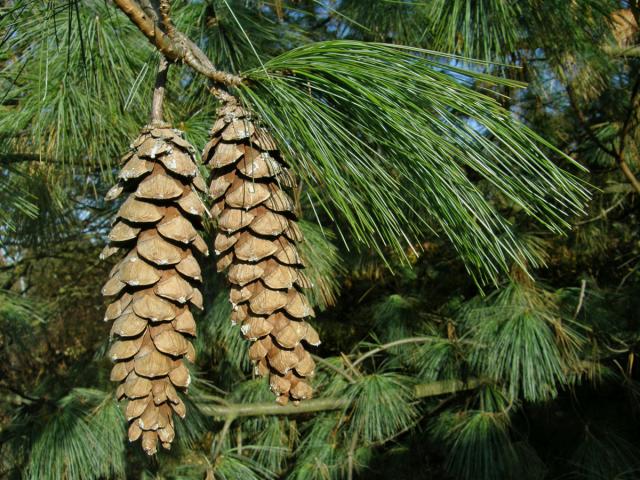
(256, 244)
(154, 287)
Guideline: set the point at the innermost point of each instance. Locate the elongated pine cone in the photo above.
(155, 284)
(256, 242)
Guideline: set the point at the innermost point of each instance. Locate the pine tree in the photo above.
(478, 315)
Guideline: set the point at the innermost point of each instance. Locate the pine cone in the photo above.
(155, 284)
(257, 244)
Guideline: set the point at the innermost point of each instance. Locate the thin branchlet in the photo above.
(159, 91)
(165, 14)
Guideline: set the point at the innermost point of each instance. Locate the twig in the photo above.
(618, 156)
(628, 121)
(339, 371)
(352, 449)
(23, 395)
(427, 390)
(165, 14)
(179, 48)
(223, 433)
(405, 429)
(158, 92)
(435, 389)
(8, 158)
(629, 175)
(626, 127)
(272, 408)
(630, 51)
(585, 125)
(279, 10)
(583, 289)
(626, 277)
(603, 213)
(387, 346)
(351, 366)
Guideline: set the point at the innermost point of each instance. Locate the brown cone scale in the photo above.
(256, 244)
(155, 286)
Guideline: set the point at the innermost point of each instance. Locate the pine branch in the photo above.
(629, 175)
(387, 346)
(179, 48)
(158, 92)
(8, 158)
(615, 51)
(26, 398)
(426, 390)
(352, 449)
(603, 214)
(626, 127)
(617, 155)
(582, 119)
(223, 433)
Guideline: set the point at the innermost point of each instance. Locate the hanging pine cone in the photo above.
(155, 284)
(257, 243)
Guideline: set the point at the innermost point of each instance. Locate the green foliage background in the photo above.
(473, 241)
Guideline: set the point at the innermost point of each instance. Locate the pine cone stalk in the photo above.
(256, 244)
(155, 286)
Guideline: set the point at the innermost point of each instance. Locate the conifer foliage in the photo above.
(256, 242)
(155, 285)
